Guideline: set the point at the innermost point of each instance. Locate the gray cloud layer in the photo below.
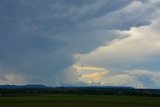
(38, 39)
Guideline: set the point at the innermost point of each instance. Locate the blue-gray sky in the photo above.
(80, 42)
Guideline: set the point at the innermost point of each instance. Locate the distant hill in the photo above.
(101, 87)
(22, 86)
(43, 86)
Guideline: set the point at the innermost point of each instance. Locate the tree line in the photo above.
(80, 91)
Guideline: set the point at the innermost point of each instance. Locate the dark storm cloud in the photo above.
(38, 38)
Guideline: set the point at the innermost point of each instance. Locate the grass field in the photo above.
(79, 101)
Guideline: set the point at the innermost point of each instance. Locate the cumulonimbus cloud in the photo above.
(40, 39)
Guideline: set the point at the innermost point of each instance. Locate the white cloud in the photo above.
(135, 78)
(138, 45)
(123, 80)
(12, 79)
(132, 78)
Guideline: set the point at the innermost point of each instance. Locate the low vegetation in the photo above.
(78, 97)
(60, 100)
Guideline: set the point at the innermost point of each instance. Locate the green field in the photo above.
(79, 101)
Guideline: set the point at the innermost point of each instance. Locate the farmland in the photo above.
(64, 100)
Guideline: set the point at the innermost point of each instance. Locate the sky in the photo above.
(80, 42)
